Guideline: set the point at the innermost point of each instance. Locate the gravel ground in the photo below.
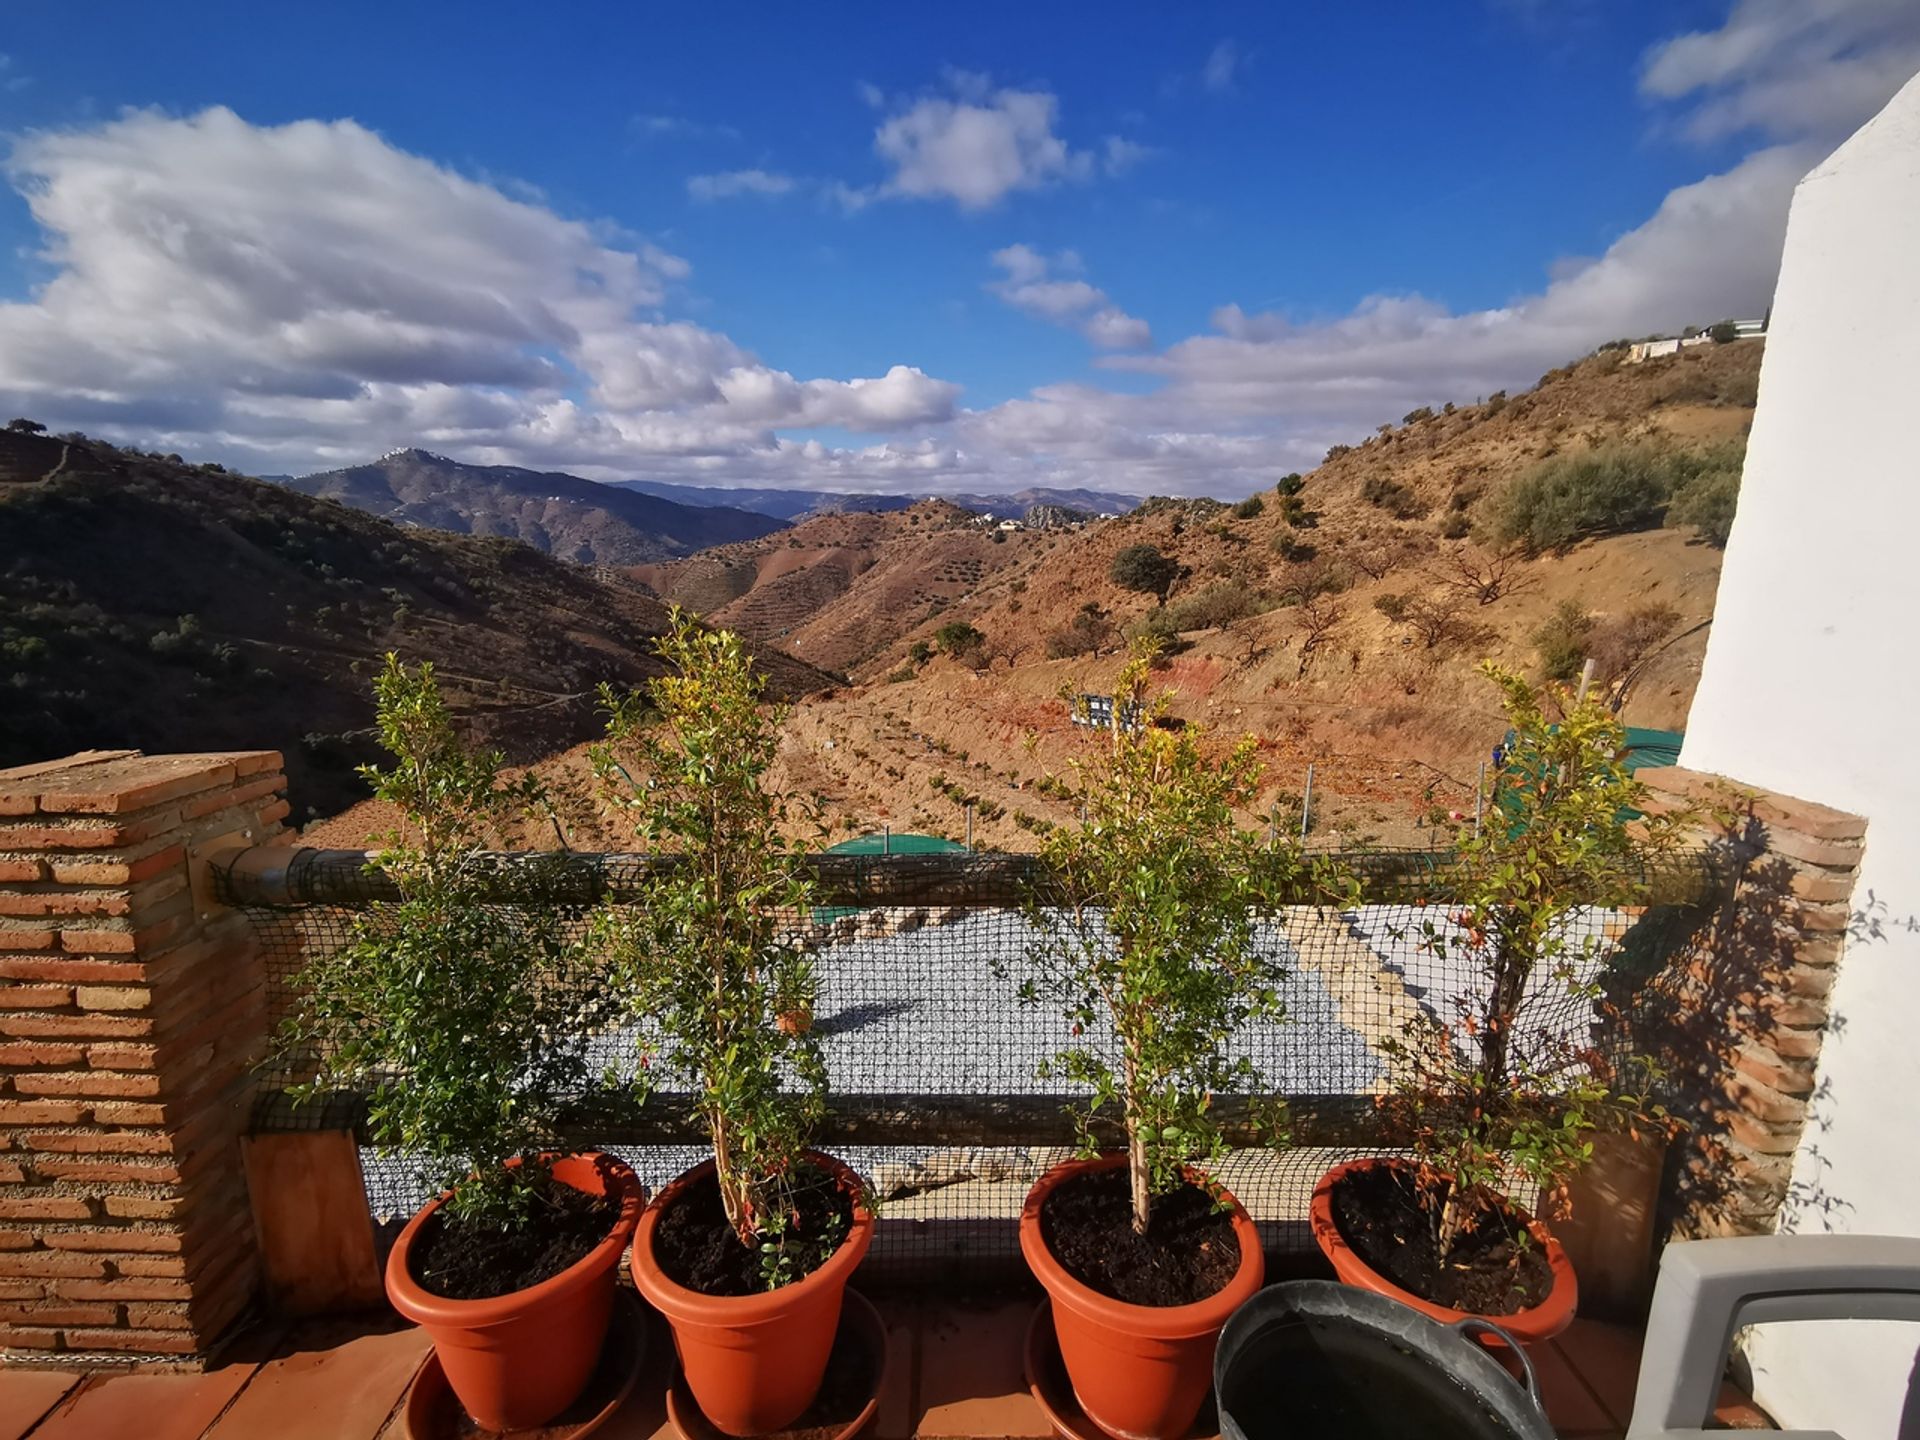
(926, 1013)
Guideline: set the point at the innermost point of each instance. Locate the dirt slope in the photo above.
(840, 588)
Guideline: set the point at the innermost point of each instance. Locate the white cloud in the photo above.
(968, 142)
(739, 182)
(308, 293)
(678, 127)
(1223, 64)
(1788, 68)
(977, 145)
(1709, 252)
(1031, 283)
(1122, 155)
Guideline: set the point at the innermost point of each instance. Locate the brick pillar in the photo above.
(132, 1010)
(1739, 1018)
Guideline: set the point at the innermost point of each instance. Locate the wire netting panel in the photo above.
(934, 1059)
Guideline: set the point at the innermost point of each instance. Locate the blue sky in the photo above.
(623, 241)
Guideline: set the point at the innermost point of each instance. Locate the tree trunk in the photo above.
(1139, 1175)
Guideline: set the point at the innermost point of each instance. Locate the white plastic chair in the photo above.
(1710, 1288)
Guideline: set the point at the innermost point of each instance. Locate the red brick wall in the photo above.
(131, 1015)
(1739, 1020)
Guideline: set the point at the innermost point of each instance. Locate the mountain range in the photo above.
(799, 504)
(564, 515)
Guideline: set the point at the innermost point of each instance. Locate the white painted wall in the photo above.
(1811, 687)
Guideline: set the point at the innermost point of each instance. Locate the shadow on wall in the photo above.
(1736, 1015)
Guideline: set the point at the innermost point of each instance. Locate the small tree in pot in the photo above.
(747, 1255)
(1147, 937)
(1508, 1086)
(449, 1010)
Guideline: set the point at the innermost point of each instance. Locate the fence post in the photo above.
(1306, 806)
(969, 829)
(132, 1013)
(886, 839)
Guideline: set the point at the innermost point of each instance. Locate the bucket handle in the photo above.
(1474, 1326)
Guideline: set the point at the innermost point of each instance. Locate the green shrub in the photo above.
(1145, 569)
(1569, 497)
(1291, 484)
(1562, 641)
(1157, 627)
(1394, 496)
(1293, 549)
(958, 638)
(1215, 606)
(1705, 491)
(920, 652)
(1249, 507)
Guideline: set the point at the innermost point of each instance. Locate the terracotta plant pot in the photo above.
(517, 1360)
(1140, 1372)
(1529, 1326)
(753, 1362)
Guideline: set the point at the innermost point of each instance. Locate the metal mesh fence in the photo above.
(933, 1057)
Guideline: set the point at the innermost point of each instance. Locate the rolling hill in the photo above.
(564, 515)
(148, 603)
(840, 588)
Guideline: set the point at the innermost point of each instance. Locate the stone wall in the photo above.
(131, 1015)
(1739, 1018)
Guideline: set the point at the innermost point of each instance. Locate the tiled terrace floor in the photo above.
(955, 1372)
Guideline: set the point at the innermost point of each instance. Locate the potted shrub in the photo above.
(449, 1012)
(1509, 1084)
(749, 1253)
(1146, 936)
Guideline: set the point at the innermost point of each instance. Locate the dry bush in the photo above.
(1618, 644)
(1484, 576)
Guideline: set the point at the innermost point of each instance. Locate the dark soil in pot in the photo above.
(1496, 1267)
(1189, 1251)
(466, 1260)
(695, 1246)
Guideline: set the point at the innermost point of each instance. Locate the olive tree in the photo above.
(1145, 569)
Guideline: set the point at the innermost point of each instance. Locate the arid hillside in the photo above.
(842, 588)
(151, 604)
(1346, 638)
